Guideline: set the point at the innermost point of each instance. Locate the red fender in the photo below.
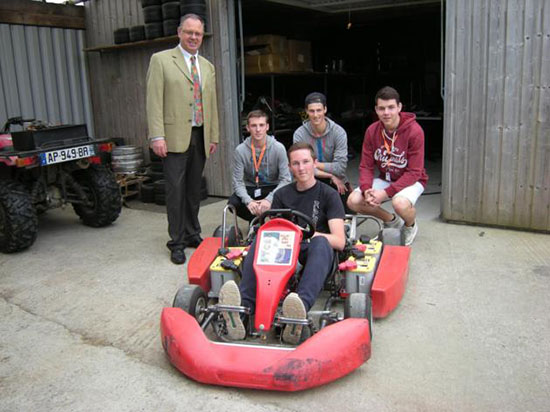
(198, 268)
(391, 278)
(328, 355)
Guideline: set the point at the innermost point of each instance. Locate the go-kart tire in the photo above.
(191, 298)
(230, 235)
(103, 191)
(359, 305)
(18, 219)
(391, 236)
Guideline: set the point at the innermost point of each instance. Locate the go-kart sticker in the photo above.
(276, 248)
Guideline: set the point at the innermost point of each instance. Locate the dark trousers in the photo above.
(344, 197)
(183, 173)
(318, 256)
(240, 207)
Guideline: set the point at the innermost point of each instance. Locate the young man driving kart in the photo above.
(320, 202)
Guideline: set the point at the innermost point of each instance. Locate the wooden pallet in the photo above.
(130, 184)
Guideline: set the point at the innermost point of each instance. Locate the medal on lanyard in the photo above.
(389, 150)
(257, 163)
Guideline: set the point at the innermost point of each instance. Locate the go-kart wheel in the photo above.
(359, 305)
(392, 237)
(294, 216)
(232, 238)
(192, 299)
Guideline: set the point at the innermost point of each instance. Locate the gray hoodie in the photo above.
(273, 169)
(334, 145)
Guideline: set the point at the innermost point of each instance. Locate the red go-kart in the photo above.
(367, 280)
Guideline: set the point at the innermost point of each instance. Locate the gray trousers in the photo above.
(183, 173)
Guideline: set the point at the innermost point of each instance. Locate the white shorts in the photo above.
(412, 193)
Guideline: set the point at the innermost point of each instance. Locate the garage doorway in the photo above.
(356, 47)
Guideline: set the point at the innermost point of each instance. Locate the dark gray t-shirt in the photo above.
(321, 202)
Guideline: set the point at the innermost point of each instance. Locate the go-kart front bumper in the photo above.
(328, 355)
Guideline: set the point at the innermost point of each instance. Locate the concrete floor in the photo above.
(80, 314)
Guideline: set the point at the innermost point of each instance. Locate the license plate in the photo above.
(66, 155)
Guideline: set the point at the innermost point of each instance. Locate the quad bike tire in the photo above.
(104, 192)
(18, 218)
(191, 299)
(359, 305)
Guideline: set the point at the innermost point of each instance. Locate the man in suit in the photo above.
(182, 117)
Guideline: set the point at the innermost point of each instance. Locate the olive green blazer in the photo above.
(170, 100)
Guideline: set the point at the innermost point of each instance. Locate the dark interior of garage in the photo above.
(353, 54)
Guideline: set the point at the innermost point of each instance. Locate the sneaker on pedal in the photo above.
(409, 233)
(395, 223)
(231, 296)
(294, 308)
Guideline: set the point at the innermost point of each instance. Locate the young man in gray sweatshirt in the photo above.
(330, 142)
(260, 167)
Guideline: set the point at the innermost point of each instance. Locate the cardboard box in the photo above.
(266, 63)
(267, 44)
(299, 56)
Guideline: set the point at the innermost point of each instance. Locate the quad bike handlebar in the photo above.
(294, 216)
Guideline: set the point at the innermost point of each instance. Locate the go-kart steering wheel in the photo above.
(295, 216)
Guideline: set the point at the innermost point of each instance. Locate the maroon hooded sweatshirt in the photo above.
(404, 162)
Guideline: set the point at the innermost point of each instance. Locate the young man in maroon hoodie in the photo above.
(395, 145)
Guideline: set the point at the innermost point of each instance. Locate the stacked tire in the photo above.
(170, 17)
(197, 7)
(152, 16)
(159, 188)
(137, 33)
(127, 159)
(154, 173)
(122, 35)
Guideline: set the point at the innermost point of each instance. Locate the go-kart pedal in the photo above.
(294, 308)
(231, 296)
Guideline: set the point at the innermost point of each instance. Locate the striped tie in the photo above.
(197, 94)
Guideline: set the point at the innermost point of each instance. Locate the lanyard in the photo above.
(258, 162)
(320, 149)
(389, 150)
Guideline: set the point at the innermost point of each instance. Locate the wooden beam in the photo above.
(35, 13)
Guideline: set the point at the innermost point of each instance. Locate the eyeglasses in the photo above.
(191, 33)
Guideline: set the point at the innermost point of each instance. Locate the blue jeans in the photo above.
(318, 256)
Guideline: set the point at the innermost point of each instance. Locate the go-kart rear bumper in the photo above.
(328, 355)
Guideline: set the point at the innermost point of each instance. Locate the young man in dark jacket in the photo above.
(395, 146)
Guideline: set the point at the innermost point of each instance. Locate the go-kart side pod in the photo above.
(391, 277)
(331, 353)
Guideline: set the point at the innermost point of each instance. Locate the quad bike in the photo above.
(46, 167)
(367, 279)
